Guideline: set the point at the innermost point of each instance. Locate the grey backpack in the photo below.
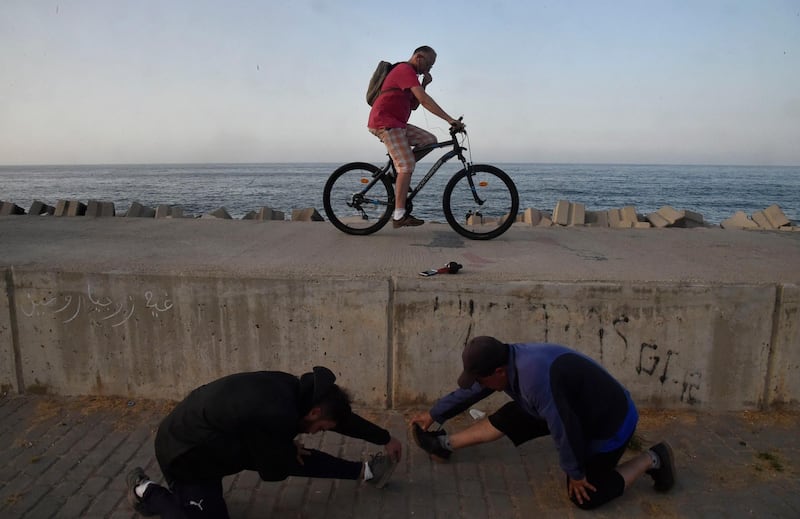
(376, 81)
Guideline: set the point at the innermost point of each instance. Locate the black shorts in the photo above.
(519, 427)
(517, 424)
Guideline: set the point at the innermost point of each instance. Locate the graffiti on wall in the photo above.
(100, 308)
(653, 363)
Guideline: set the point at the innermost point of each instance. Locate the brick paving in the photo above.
(67, 457)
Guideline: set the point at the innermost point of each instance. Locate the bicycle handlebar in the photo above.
(458, 127)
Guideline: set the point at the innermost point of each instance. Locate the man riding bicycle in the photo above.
(388, 120)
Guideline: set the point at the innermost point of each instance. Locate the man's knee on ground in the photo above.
(586, 505)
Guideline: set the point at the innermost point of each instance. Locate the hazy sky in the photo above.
(139, 81)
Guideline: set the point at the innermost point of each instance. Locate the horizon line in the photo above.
(695, 164)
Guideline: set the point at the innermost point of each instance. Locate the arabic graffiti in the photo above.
(101, 309)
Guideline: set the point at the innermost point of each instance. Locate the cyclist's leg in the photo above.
(418, 137)
(399, 149)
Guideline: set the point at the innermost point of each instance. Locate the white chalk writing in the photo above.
(101, 309)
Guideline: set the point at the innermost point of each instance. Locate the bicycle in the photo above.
(480, 201)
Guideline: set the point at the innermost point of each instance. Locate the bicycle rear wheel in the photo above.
(480, 202)
(356, 200)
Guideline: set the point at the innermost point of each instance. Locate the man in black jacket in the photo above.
(249, 421)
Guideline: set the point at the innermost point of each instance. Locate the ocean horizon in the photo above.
(715, 191)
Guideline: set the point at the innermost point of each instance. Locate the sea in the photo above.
(716, 192)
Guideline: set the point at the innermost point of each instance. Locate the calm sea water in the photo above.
(714, 191)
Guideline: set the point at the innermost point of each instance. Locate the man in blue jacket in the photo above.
(249, 421)
(559, 392)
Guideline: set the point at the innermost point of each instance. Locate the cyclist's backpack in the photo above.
(376, 81)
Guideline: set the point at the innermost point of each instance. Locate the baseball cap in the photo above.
(481, 356)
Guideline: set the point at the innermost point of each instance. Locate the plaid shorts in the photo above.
(399, 142)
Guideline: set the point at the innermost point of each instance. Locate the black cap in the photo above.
(324, 380)
(481, 356)
(316, 384)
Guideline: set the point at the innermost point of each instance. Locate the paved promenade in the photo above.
(317, 249)
(67, 458)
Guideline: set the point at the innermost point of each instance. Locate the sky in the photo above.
(194, 81)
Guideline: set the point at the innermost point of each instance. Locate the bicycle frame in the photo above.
(457, 151)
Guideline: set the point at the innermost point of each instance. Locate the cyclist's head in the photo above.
(423, 59)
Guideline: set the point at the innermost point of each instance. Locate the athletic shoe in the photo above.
(664, 476)
(407, 221)
(135, 478)
(382, 467)
(429, 442)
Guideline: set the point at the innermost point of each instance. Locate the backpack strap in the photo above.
(384, 79)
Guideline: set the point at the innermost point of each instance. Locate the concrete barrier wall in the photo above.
(783, 381)
(392, 342)
(8, 378)
(163, 336)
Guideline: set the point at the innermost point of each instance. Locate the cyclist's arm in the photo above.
(429, 104)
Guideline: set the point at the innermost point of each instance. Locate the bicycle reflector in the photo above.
(364, 180)
(483, 183)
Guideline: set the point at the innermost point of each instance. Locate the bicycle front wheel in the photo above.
(357, 200)
(480, 202)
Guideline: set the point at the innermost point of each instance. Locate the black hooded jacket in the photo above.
(246, 421)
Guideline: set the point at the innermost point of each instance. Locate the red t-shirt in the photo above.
(393, 108)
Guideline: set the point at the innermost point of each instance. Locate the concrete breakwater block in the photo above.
(70, 208)
(265, 213)
(308, 214)
(668, 216)
(739, 220)
(776, 217)
(9, 208)
(771, 218)
(220, 213)
(137, 210)
(169, 211)
(97, 208)
(39, 208)
(623, 218)
(569, 213)
(529, 216)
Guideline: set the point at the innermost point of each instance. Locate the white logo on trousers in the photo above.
(198, 504)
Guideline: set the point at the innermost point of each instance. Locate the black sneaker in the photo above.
(407, 221)
(429, 442)
(664, 476)
(382, 467)
(135, 478)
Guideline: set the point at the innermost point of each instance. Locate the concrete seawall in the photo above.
(697, 318)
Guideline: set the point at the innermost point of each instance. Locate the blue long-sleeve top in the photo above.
(586, 409)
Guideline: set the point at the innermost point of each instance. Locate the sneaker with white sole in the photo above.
(664, 475)
(382, 467)
(429, 442)
(135, 478)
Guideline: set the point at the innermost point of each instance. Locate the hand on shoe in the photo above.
(394, 449)
(424, 420)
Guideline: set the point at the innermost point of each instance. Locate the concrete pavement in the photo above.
(318, 250)
(67, 458)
